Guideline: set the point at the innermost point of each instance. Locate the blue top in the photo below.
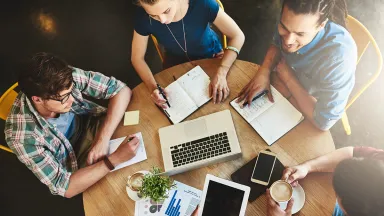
(65, 123)
(202, 41)
(338, 211)
(326, 69)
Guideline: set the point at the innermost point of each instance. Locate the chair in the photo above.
(6, 102)
(362, 38)
(158, 48)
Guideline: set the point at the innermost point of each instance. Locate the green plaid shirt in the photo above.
(41, 146)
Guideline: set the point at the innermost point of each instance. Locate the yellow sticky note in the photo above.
(131, 118)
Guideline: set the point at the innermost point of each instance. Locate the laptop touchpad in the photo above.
(196, 128)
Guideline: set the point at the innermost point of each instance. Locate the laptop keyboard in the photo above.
(200, 149)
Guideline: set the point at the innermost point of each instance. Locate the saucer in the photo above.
(134, 194)
(299, 197)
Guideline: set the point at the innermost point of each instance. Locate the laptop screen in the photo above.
(222, 200)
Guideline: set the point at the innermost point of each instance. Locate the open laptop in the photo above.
(199, 142)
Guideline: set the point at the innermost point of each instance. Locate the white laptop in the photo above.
(223, 197)
(199, 142)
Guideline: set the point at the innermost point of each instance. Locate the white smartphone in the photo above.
(263, 167)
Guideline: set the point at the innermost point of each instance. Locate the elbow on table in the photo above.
(324, 126)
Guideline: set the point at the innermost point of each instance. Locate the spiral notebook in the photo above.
(270, 120)
(187, 94)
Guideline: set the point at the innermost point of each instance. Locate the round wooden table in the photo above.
(304, 142)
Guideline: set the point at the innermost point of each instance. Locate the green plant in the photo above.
(156, 186)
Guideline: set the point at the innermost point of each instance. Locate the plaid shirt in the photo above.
(41, 146)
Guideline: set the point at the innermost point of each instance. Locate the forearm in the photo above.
(271, 58)
(328, 162)
(230, 56)
(116, 108)
(304, 101)
(85, 177)
(88, 176)
(145, 73)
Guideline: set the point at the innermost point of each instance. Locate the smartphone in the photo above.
(263, 168)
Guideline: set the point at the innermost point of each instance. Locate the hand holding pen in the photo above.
(159, 96)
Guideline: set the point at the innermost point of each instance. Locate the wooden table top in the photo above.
(304, 142)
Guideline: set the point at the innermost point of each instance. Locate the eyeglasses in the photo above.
(64, 98)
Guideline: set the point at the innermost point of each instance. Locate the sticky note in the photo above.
(131, 118)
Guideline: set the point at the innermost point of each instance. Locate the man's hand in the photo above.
(273, 208)
(98, 150)
(125, 151)
(259, 83)
(293, 174)
(218, 89)
(159, 99)
(284, 72)
(195, 213)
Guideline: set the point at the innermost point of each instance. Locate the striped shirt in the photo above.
(41, 146)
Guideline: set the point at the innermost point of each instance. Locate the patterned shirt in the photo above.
(40, 145)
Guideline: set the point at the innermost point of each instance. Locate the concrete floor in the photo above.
(97, 34)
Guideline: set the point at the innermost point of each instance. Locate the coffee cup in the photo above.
(281, 192)
(134, 184)
(135, 181)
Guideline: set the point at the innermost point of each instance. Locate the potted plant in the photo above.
(155, 186)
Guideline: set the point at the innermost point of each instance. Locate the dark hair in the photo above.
(148, 2)
(360, 186)
(334, 10)
(45, 75)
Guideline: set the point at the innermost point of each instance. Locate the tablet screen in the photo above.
(222, 200)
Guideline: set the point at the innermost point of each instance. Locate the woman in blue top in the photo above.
(182, 27)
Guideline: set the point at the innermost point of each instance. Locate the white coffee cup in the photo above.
(281, 191)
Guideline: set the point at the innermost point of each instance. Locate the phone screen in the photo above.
(263, 168)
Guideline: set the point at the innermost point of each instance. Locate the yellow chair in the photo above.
(158, 48)
(362, 38)
(6, 102)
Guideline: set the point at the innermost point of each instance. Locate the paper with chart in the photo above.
(141, 154)
(187, 94)
(182, 201)
(270, 120)
(147, 207)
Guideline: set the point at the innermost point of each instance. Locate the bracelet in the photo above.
(108, 163)
(234, 49)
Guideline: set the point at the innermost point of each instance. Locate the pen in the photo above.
(257, 96)
(163, 94)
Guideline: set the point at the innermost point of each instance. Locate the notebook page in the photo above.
(276, 121)
(196, 84)
(141, 154)
(181, 104)
(257, 107)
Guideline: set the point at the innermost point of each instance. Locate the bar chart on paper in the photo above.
(173, 209)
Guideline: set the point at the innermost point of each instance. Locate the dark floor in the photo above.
(96, 35)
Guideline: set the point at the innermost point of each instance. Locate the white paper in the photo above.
(196, 84)
(141, 154)
(183, 199)
(276, 121)
(148, 207)
(270, 120)
(181, 104)
(257, 107)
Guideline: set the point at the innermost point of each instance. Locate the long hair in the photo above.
(334, 10)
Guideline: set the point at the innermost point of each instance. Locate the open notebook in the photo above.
(187, 94)
(270, 120)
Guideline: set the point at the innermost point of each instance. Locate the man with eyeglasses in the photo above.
(57, 133)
